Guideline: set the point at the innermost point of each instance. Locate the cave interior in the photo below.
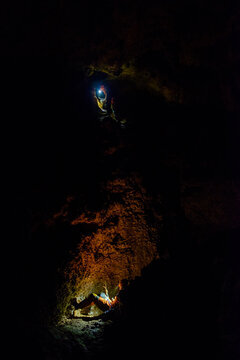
(153, 198)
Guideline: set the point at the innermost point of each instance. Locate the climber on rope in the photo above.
(107, 107)
(103, 302)
(101, 98)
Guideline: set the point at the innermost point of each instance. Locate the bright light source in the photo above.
(99, 91)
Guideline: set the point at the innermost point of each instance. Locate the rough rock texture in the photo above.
(122, 245)
(115, 242)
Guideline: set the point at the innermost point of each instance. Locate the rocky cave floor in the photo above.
(76, 337)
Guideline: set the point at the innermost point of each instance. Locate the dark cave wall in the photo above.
(186, 51)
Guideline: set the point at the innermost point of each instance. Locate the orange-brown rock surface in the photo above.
(121, 238)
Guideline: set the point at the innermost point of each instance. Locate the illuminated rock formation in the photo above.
(122, 239)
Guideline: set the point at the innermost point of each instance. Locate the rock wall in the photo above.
(116, 242)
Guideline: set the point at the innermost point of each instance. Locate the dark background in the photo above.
(51, 140)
